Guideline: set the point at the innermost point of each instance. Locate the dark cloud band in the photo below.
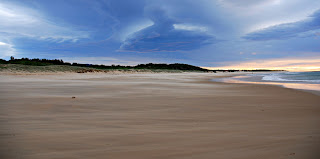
(287, 30)
(162, 36)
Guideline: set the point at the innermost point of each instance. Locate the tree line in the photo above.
(175, 66)
(46, 62)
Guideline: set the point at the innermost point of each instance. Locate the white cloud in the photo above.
(17, 21)
(249, 3)
(134, 28)
(303, 28)
(21, 22)
(253, 15)
(190, 27)
(3, 44)
(6, 50)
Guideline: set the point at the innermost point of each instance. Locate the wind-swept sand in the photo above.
(146, 116)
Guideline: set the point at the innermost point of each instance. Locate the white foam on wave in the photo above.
(292, 73)
(272, 77)
(277, 77)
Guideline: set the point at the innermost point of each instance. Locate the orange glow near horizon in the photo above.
(310, 64)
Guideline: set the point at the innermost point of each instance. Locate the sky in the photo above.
(208, 33)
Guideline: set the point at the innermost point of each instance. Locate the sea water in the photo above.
(297, 80)
(293, 77)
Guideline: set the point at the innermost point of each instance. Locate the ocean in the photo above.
(295, 77)
(296, 80)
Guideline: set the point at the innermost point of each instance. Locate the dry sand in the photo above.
(146, 116)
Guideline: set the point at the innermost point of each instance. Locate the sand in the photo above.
(161, 116)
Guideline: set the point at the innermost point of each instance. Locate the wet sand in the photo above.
(162, 116)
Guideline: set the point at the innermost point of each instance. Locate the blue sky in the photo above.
(211, 33)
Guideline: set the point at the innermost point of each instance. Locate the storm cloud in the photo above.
(164, 36)
(304, 28)
(201, 32)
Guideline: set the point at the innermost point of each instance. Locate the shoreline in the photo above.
(173, 115)
(245, 78)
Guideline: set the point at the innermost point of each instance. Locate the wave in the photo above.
(281, 77)
(292, 73)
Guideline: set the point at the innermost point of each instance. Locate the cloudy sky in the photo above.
(210, 33)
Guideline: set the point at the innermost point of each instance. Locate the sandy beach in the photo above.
(154, 116)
